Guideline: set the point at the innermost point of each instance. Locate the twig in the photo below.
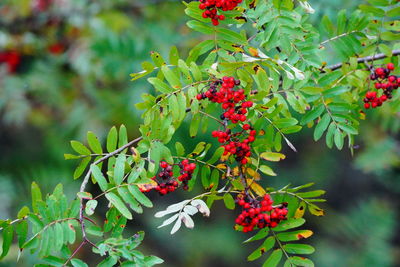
(365, 59)
(74, 253)
(338, 36)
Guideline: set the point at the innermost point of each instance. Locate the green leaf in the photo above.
(321, 126)
(122, 136)
(329, 78)
(194, 125)
(98, 177)
(71, 156)
(78, 263)
(274, 259)
(315, 193)
(173, 55)
(21, 230)
(373, 10)
(329, 134)
(36, 196)
(180, 149)
(112, 139)
(119, 205)
(135, 191)
(59, 241)
(299, 261)
(272, 156)
(129, 199)
(298, 248)
(285, 122)
(390, 36)
(338, 138)
(157, 59)
(294, 236)
(119, 169)
(80, 148)
(90, 207)
(108, 262)
(394, 12)
(267, 245)
(94, 143)
(229, 201)
(231, 36)
(174, 107)
(260, 235)
(200, 27)
(348, 128)
(267, 170)
(160, 85)
(313, 114)
(81, 167)
(289, 224)
(153, 260)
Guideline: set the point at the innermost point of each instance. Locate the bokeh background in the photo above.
(64, 70)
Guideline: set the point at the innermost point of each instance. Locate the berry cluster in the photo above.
(211, 7)
(12, 59)
(235, 107)
(386, 82)
(168, 182)
(259, 214)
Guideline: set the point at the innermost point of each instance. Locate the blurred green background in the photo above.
(71, 63)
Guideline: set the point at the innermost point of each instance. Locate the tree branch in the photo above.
(365, 59)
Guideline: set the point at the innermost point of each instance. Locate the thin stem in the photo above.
(75, 251)
(280, 245)
(338, 36)
(212, 117)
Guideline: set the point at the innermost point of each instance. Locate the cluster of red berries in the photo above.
(235, 107)
(384, 81)
(210, 8)
(12, 59)
(259, 213)
(168, 182)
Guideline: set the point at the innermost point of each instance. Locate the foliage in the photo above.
(280, 62)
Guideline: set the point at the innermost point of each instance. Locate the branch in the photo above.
(365, 59)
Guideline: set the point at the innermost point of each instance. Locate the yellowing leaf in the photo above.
(255, 175)
(135, 154)
(314, 210)
(304, 234)
(147, 187)
(221, 166)
(300, 210)
(235, 171)
(225, 157)
(272, 156)
(253, 51)
(256, 187)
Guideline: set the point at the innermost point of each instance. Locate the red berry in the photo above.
(163, 164)
(390, 66)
